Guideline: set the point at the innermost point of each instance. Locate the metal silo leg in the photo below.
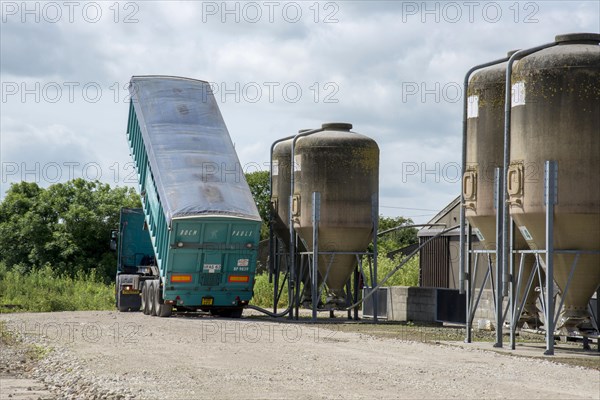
(316, 200)
(551, 176)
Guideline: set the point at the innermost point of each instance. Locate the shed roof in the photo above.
(448, 216)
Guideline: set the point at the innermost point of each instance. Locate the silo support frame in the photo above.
(357, 289)
(467, 277)
(500, 273)
(547, 298)
(278, 255)
(474, 293)
(277, 252)
(517, 305)
(512, 293)
(375, 220)
(597, 312)
(551, 177)
(316, 214)
(497, 284)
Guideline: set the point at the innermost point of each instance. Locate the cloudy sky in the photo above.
(393, 69)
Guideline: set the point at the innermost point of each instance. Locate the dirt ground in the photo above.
(128, 355)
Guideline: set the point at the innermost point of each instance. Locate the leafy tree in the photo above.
(395, 239)
(66, 226)
(259, 186)
(21, 229)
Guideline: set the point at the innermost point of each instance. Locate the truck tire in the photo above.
(121, 307)
(232, 312)
(165, 310)
(151, 298)
(162, 310)
(145, 304)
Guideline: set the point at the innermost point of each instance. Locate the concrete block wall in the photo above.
(411, 304)
(420, 304)
(486, 306)
(485, 311)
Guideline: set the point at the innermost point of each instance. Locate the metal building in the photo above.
(440, 269)
(438, 260)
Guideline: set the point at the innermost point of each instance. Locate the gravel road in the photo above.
(128, 355)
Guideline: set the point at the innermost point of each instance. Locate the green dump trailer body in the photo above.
(200, 214)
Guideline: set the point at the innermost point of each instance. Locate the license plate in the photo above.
(133, 291)
(207, 301)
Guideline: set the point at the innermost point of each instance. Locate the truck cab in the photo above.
(135, 258)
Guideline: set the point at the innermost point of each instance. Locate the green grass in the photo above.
(408, 275)
(36, 352)
(45, 290)
(263, 292)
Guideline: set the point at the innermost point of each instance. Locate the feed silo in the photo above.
(556, 116)
(343, 167)
(280, 194)
(484, 153)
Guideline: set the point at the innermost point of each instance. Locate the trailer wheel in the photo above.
(162, 310)
(232, 312)
(165, 310)
(145, 305)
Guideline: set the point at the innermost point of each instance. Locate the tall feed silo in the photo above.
(485, 135)
(343, 167)
(556, 116)
(280, 203)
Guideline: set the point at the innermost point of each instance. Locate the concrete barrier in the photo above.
(420, 304)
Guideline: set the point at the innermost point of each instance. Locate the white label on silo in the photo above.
(525, 233)
(473, 107)
(518, 94)
(297, 163)
(479, 235)
(275, 168)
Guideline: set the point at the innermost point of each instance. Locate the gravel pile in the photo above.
(61, 374)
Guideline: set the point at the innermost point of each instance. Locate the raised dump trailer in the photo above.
(199, 212)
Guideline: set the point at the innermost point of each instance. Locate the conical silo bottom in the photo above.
(571, 232)
(340, 269)
(336, 269)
